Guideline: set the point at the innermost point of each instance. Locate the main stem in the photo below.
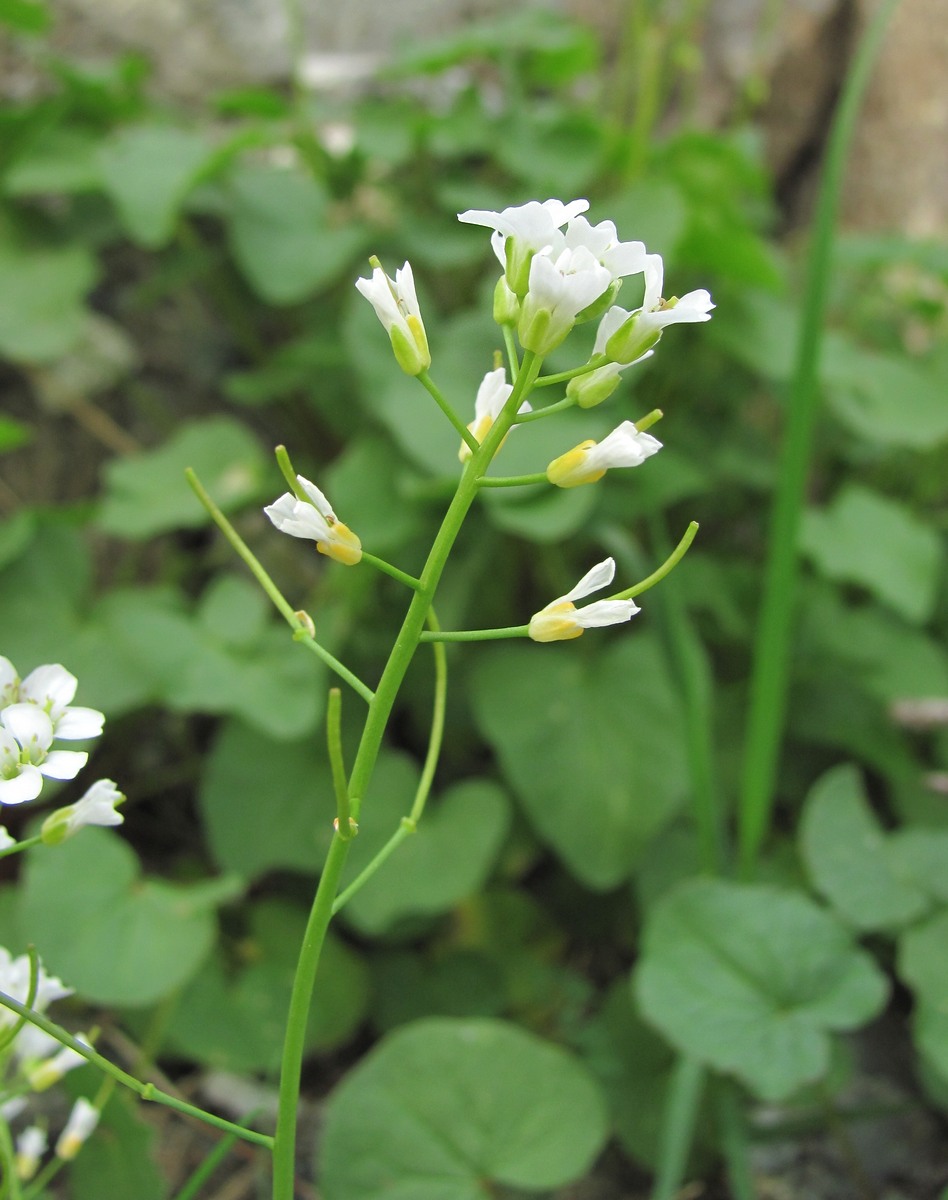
(380, 708)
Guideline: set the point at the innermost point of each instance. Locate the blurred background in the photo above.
(187, 193)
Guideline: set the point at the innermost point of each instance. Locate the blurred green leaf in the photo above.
(443, 1108)
(234, 1020)
(147, 493)
(447, 859)
(591, 743)
(148, 171)
(864, 538)
(460, 983)
(234, 611)
(848, 856)
(923, 964)
(118, 938)
(121, 1160)
(13, 434)
(751, 980)
(41, 304)
(25, 16)
(284, 236)
(58, 160)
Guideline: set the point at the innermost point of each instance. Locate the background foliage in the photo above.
(178, 292)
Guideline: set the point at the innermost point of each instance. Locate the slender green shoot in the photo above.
(10, 1179)
(538, 414)
(282, 456)
(19, 847)
(732, 1123)
(475, 635)
(770, 674)
(387, 569)
(466, 436)
(147, 1091)
(678, 1128)
(301, 626)
(598, 360)
(336, 764)
(667, 566)
(502, 481)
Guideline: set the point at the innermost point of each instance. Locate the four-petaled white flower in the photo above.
(396, 306)
(82, 1122)
(25, 756)
(41, 1074)
(522, 231)
(559, 291)
(561, 619)
(619, 258)
(590, 460)
(314, 519)
(492, 394)
(627, 337)
(51, 688)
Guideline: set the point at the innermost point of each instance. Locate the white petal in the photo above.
(597, 577)
(6, 841)
(321, 504)
(694, 306)
(492, 395)
(654, 279)
(9, 682)
(26, 785)
(63, 764)
(613, 320)
(77, 724)
(605, 612)
(31, 727)
(51, 686)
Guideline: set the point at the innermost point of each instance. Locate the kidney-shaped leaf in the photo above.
(591, 743)
(751, 979)
(115, 937)
(445, 1109)
(849, 856)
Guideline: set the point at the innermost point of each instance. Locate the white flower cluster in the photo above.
(558, 270)
(34, 712)
(34, 1061)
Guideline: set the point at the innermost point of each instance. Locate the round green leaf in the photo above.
(235, 1019)
(42, 314)
(591, 742)
(147, 493)
(445, 1109)
(751, 979)
(148, 170)
(446, 859)
(849, 856)
(115, 937)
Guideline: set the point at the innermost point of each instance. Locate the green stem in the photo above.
(282, 455)
(380, 708)
(284, 1142)
(147, 1091)
(513, 360)
(405, 829)
(667, 566)
(770, 675)
(500, 481)
(336, 764)
(8, 1158)
(539, 413)
(732, 1123)
(301, 630)
(598, 360)
(475, 635)
(381, 565)
(678, 1128)
(466, 436)
(26, 844)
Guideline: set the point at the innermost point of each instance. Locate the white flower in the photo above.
(602, 241)
(52, 687)
(82, 1121)
(396, 306)
(558, 291)
(561, 619)
(626, 337)
(492, 394)
(9, 683)
(47, 1071)
(31, 1043)
(315, 519)
(30, 1148)
(25, 756)
(589, 461)
(6, 841)
(96, 807)
(522, 231)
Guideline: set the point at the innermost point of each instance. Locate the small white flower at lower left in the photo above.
(314, 519)
(82, 1122)
(561, 619)
(25, 756)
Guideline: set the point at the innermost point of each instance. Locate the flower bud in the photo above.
(595, 386)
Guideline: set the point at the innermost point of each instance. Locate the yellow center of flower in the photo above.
(568, 470)
(345, 546)
(554, 624)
